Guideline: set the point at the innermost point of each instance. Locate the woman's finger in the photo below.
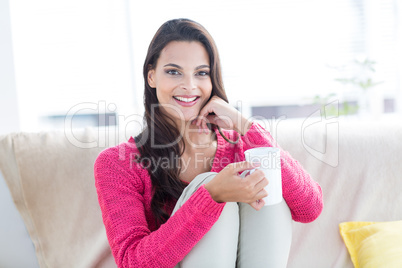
(262, 183)
(207, 109)
(206, 127)
(257, 205)
(202, 125)
(243, 165)
(261, 194)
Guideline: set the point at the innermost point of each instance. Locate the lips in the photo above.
(187, 100)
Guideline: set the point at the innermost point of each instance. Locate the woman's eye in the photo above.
(203, 73)
(172, 72)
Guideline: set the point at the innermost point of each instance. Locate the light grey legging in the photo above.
(242, 237)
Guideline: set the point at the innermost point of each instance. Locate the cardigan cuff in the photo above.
(202, 200)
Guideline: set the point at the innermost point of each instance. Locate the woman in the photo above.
(186, 111)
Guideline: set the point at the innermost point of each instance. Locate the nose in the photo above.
(188, 82)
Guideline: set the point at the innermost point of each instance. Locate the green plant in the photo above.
(345, 108)
(361, 79)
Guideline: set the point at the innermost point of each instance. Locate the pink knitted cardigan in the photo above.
(124, 192)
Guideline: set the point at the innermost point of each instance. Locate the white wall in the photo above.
(399, 58)
(16, 248)
(9, 120)
(68, 55)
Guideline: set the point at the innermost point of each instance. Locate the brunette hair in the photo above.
(167, 186)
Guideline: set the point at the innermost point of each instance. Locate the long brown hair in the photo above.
(160, 138)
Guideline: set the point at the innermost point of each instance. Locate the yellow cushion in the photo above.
(373, 244)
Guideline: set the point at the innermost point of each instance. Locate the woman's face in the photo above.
(182, 79)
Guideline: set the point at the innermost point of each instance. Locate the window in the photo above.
(276, 55)
(71, 57)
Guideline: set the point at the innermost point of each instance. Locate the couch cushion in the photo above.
(51, 181)
(373, 244)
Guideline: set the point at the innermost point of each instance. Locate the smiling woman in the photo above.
(181, 79)
(183, 164)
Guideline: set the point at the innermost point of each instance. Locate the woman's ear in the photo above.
(151, 78)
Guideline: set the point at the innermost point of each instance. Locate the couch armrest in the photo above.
(52, 184)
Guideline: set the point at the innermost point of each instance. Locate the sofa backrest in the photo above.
(50, 177)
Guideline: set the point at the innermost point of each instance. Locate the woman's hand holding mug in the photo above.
(228, 186)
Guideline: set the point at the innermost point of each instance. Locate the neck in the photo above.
(195, 141)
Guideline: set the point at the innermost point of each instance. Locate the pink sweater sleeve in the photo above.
(120, 193)
(302, 194)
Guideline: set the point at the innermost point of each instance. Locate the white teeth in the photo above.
(185, 99)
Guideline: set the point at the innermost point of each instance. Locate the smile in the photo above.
(186, 102)
(185, 99)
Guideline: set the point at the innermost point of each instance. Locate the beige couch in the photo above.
(50, 177)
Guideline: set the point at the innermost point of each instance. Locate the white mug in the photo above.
(270, 163)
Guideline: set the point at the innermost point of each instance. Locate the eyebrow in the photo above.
(181, 68)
